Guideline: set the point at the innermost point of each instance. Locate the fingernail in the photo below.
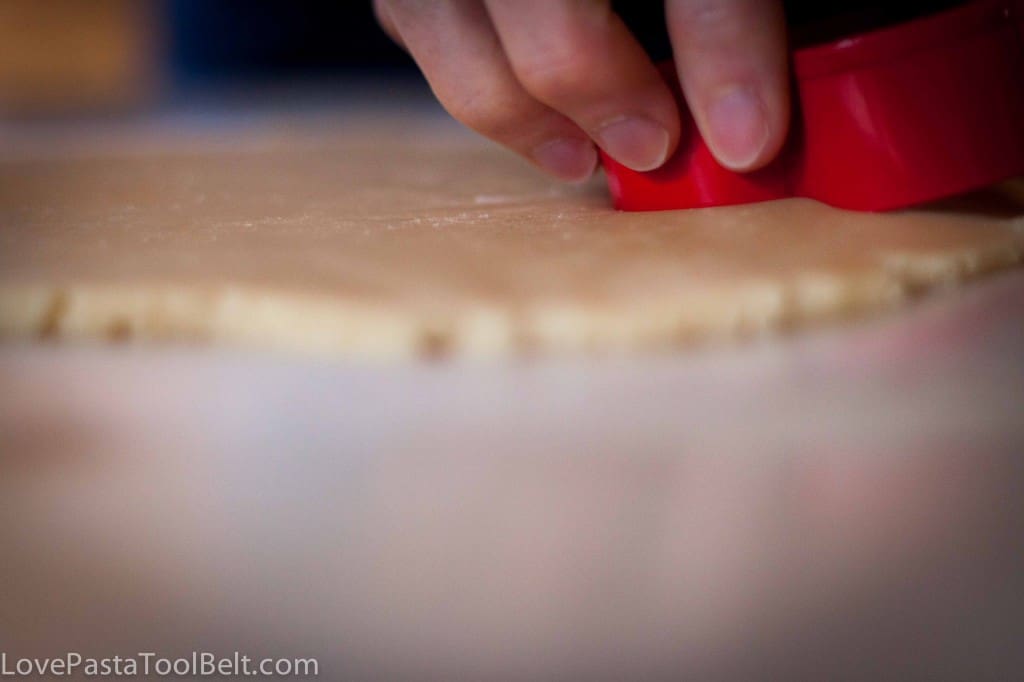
(571, 159)
(738, 128)
(637, 143)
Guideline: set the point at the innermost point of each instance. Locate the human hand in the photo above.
(550, 78)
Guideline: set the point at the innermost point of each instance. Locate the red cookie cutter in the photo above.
(890, 118)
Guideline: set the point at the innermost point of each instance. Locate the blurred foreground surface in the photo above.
(844, 503)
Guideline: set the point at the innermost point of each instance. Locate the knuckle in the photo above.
(556, 77)
(488, 110)
(566, 59)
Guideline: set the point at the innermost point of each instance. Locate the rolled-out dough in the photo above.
(379, 239)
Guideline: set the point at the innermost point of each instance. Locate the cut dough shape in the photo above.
(387, 239)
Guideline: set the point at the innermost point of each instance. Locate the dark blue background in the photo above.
(216, 39)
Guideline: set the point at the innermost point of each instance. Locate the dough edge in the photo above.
(321, 324)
